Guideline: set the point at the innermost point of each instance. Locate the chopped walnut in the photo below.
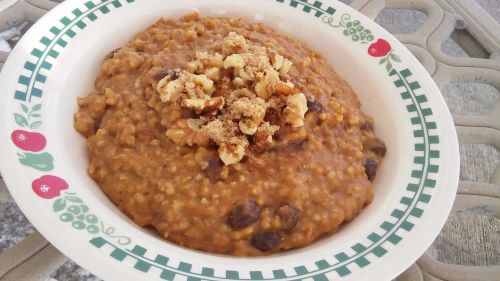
(231, 154)
(204, 105)
(277, 61)
(231, 93)
(210, 60)
(248, 126)
(262, 90)
(285, 67)
(284, 88)
(263, 138)
(187, 132)
(281, 63)
(194, 85)
(194, 66)
(265, 88)
(235, 60)
(238, 82)
(170, 88)
(233, 43)
(245, 75)
(219, 130)
(203, 81)
(296, 108)
(212, 73)
(250, 112)
(223, 133)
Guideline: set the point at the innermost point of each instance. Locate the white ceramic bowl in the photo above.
(44, 159)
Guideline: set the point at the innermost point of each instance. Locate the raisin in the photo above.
(376, 146)
(290, 147)
(266, 240)
(111, 54)
(174, 74)
(160, 74)
(289, 217)
(370, 168)
(300, 145)
(214, 169)
(315, 106)
(273, 116)
(97, 123)
(367, 126)
(244, 215)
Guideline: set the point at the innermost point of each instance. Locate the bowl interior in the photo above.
(380, 100)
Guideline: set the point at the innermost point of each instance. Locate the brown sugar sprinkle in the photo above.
(261, 77)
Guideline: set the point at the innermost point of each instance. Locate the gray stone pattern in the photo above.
(468, 238)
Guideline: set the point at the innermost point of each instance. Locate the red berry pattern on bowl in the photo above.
(379, 49)
(28, 141)
(49, 186)
(382, 48)
(356, 31)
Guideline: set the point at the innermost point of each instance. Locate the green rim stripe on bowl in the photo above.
(363, 253)
(306, 7)
(40, 56)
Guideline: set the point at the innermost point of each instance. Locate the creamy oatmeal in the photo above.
(228, 137)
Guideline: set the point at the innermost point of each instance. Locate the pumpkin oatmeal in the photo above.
(228, 137)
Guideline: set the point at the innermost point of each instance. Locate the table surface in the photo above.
(469, 237)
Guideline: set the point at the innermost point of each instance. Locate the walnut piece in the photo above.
(238, 82)
(203, 81)
(233, 43)
(296, 108)
(248, 126)
(194, 66)
(169, 89)
(231, 91)
(231, 154)
(210, 60)
(284, 88)
(285, 67)
(277, 61)
(263, 138)
(212, 73)
(204, 105)
(235, 60)
(187, 132)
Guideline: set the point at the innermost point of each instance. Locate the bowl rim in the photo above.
(9, 171)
